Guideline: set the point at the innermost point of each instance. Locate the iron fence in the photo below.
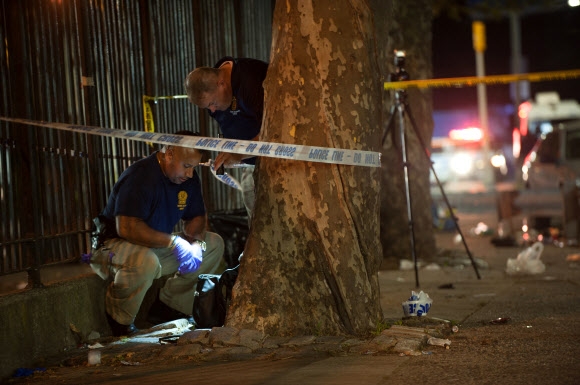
(90, 62)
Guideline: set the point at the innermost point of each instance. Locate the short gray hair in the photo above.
(199, 82)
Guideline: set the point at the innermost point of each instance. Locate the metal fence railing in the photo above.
(90, 62)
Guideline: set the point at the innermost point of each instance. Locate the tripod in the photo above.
(399, 108)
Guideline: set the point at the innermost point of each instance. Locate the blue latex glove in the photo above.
(188, 255)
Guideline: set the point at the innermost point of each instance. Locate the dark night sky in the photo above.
(550, 42)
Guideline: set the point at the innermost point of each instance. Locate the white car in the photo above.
(462, 158)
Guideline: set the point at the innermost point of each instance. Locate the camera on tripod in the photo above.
(400, 73)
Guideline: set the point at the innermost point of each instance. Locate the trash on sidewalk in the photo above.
(433, 267)
(528, 261)
(410, 353)
(405, 264)
(417, 305)
(127, 363)
(94, 357)
(573, 257)
(439, 342)
(481, 229)
(500, 321)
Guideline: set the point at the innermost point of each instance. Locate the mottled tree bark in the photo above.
(311, 261)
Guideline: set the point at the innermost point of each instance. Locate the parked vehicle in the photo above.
(462, 157)
(551, 181)
(539, 117)
(554, 161)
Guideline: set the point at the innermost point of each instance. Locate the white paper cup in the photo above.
(417, 308)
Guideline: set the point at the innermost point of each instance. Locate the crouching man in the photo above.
(134, 243)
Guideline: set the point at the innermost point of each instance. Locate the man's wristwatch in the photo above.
(201, 244)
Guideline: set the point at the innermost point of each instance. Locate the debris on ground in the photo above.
(527, 261)
(418, 304)
(500, 321)
(444, 342)
(481, 229)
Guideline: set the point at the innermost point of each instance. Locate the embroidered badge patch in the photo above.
(234, 107)
(181, 200)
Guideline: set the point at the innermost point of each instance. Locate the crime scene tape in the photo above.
(148, 118)
(148, 113)
(225, 177)
(474, 80)
(247, 147)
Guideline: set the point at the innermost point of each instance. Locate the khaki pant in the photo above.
(132, 269)
(248, 190)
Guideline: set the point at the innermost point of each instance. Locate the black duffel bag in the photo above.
(102, 230)
(212, 297)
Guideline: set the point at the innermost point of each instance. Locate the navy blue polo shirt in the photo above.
(143, 191)
(245, 121)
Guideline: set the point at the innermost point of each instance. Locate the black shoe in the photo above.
(160, 313)
(119, 330)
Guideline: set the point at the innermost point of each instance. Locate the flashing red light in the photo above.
(523, 112)
(469, 134)
(517, 143)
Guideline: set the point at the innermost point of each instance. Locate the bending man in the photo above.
(233, 94)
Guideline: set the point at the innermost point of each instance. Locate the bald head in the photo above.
(178, 162)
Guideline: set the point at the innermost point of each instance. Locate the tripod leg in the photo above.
(428, 155)
(389, 125)
(407, 188)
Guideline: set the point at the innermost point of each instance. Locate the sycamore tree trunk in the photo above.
(311, 260)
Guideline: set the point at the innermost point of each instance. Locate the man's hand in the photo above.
(227, 159)
(188, 255)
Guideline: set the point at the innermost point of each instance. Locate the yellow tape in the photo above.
(148, 113)
(148, 118)
(474, 80)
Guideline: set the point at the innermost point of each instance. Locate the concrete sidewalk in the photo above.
(549, 299)
(512, 329)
